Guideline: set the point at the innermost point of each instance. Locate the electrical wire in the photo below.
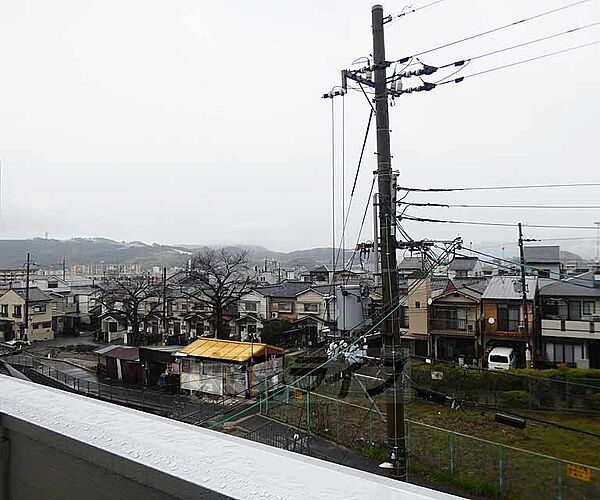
(362, 223)
(498, 28)
(465, 205)
(411, 10)
(503, 224)
(513, 266)
(517, 63)
(523, 44)
(342, 244)
(491, 188)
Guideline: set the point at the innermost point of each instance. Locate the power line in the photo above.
(523, 44)
(498, 28)
(516, 63)
(491, 188)
(411, 10)
(465, 205)
(503, 224)
(362, 224)
(576, 281)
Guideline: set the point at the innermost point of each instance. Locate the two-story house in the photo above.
(455, 322)
(12, 315)
(544, 261)
(504, 316)
(570, 320)
(465, 267)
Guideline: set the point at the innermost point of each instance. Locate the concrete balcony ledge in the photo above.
(61, 445)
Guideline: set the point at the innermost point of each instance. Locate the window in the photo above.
(496, 358)
(39, 308)
(17, 311)
(112, 326)
(46, 324)
(417, 305)
(508, 318)
(311, 308)
(575, 310)
(4, 310)
(589, 308)
(36, 326)
(564, 353)
(177, 327)
(285, 307)
(251, 306)
(52, 284)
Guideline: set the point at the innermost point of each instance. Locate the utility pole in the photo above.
(524, 300)
(26, 314)
(64, 268)
(389, 274)
(164, 305)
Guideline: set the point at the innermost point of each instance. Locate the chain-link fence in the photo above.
(478, 466)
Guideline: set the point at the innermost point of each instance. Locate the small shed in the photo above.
(229, 368)
(121, 363)
(161, 366)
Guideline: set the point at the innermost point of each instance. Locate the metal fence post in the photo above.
(308, 411)
(501, 470)
(451, 439)
(559, 479)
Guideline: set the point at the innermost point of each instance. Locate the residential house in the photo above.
(415, 328)
(455, 322)
(12, 315)
(251, 315)
(465, 267)
(504, 316)
(570, 320)
(313, 312)
(411, 265)
(229, 368)
(320, 274)
(543, 261)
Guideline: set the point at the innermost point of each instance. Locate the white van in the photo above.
(502, 358)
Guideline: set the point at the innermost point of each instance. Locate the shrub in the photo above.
(515, 399)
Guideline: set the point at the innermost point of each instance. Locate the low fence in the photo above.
(504, 389)
(477, 465)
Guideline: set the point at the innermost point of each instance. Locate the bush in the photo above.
(515, 399)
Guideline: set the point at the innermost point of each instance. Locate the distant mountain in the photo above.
(51, 252)
(82, 251)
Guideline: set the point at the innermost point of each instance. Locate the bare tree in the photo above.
(218, 278)
(132, 300)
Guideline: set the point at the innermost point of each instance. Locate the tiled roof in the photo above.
(463, 264)
(35, 294)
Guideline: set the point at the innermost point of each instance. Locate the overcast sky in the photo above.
(180, 121)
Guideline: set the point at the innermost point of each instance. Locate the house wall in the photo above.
(417, 308)
(40, 323)
(313, 298)
(253, 297)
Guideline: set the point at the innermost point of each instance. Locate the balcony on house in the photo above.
(456, 326)
(578, 329)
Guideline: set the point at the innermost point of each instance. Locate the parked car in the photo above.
(502, 358)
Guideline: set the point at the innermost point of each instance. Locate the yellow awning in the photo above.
(228, 350)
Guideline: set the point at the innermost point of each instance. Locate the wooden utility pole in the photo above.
(524, 306)
(164, 304)
(26, 313)
(392, 356)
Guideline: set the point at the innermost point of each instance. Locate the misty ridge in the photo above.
(48, 252)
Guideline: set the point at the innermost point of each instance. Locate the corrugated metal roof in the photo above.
(509, 288)
(227, 350)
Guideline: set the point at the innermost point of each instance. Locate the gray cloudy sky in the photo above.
(183, 121)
